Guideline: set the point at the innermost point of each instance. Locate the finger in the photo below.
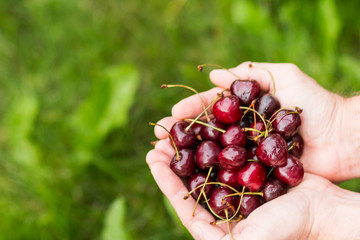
(166, 147)
(247, 71)
(167, 122)
(174, 189)
(192, 106)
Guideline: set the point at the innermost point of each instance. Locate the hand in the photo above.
(329, 128)
(315, 209)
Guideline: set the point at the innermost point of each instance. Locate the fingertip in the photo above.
(166, 122)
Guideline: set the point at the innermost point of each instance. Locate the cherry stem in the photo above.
(211, 210)
(228, 224)
(264, 68)
(261, 117)
(202, 189)
(293, 145)
(224, 221)
(205, 124)
(191, 89)
(253, 130)
(271, 170)
(200, 68)
(154, 142)
(296, 111)
(172, 139)
(252, 160)
(245, 193)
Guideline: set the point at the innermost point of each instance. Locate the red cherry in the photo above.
(207, 154)
(247, 91)
(267, 105)
(291, 173)
(227, 109)
(252, 176)
(273, 188)
(296, 143)
(183, 138)
(219, 205)
(272, 150)
(208, 133)
(286, 124)
(249, 204)
(234, 135)
(196, 180)
(185, 166)
(233, 157)
(228, 177)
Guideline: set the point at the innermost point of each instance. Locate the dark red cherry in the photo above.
(208, 133)
(258, 125)
(252, 153)
(247, 91)
(249, 204)
(252, 176)
(233, 157)
(291, 173)
(207, 154)
(267, 105)
(286, 124)
(234, 135)
(185, 166)
(220, 205)
(196, 180)
(296, 143)
(272, 150)
(273, 188)
(227, 109)
(182, 138)
(228, 177)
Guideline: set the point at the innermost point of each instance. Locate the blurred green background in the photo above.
(80, 81)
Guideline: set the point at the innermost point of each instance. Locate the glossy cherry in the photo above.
(252, 175)
(228, 177)
(272, 150)
(249, 204)
(296, 143)
(207, 154)
(286, 123)
(183, 138)
(185, 166)
(267, 105)
(233, 157)
(291, 173)
(273, 188)
(208, 133)
(196, 128)
(227, 109)
(234, 135)
(246, 90)
(196, 180)
(220, 205)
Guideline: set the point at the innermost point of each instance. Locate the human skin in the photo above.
(315, 209)
(330, 123)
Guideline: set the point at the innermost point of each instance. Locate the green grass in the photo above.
(80, 81)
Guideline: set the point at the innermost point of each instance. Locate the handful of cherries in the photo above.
(242, 154)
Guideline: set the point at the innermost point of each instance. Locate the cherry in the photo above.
(208, 133)
(233, 157)
(252, 176)
(247, 91)
(185, 166)
(219, 204)
(267, 105)
(291, 173)
(196, 128)
(227, 109)
(249, 204)
(228, 177)
(273, 188)
(207, 154)
(296, 145)
(286, 123)
(183, 138)
(234, 135)
(196, 180)
(272, 150)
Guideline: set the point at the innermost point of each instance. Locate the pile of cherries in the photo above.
(243, 154)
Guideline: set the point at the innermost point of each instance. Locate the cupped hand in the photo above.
(315, 209)
(325, 130)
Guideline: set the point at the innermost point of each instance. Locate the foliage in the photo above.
(80, 80)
